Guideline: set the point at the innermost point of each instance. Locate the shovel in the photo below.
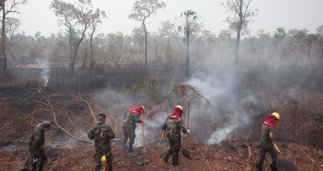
(185, 151)
(282, 163)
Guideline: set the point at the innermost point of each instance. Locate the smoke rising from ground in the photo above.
(45, 70)
(152, 128)
(236, 120)
(226, 111)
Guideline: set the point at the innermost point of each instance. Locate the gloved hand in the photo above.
(163, 135)
(188, 131)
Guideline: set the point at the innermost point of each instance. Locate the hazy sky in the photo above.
(289, 14)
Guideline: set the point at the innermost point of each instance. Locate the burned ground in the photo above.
(229, 155)
(298, 134)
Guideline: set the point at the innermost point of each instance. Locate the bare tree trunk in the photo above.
(72, 66)
(70, 44)
(309, 54)
(91, 49)
(187, 42)
(169, 55)
(237, 48)
(3, 37)
(146, 43)
(296, 56)
(85, 55)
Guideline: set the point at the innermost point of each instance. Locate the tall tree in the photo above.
(12, 25)
(77, 18)
(141, 11)
(279, 34)
(298, 36)
(239, 21)
(189, 26)
(319, 30)
(138, 36)
(95, 21)
(66, 15)
(7, 7)
(309, 39)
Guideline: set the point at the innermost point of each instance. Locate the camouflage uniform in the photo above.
(36, 149)
(266, 147)
(129, 127)
(173, 129)
(102, 135)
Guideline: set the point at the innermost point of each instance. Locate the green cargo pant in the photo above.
(262, 156)
(174, 149)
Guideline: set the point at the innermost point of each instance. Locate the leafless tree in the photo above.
(7, 7)
(77, 18)
(12, 25)
(95, 21)
(310, 39)
(239, 21)
(142, 10)
(190, 25)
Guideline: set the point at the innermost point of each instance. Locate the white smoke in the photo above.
(45, 73)
(223, 133)
(211, 86)
(226, 113)
(119, 103)
(152, 128)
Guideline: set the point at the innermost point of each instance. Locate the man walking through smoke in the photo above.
(36, 143)
(102, 133)
(267, 142)
(129, 125)
(172, 127)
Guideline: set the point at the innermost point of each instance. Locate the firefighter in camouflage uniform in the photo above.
(129, 125)
(267, 140)
(36, 143)
(102, 133)
(172, 127)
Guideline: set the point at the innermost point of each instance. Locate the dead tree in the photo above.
(239, 21)
(142, 10)
(189, 26)
(7, 7)
(189, 93)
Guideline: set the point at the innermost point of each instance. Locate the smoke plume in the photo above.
(226, 112)
(45, 71)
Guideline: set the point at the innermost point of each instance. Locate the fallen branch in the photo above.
(89, 106)
(249, 152)
(59, 126)
(48, 104)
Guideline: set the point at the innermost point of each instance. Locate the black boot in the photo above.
(130, 150)
(175, 159)
(125, 144)
(258, 167)
(166, 157)
(273, 167)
